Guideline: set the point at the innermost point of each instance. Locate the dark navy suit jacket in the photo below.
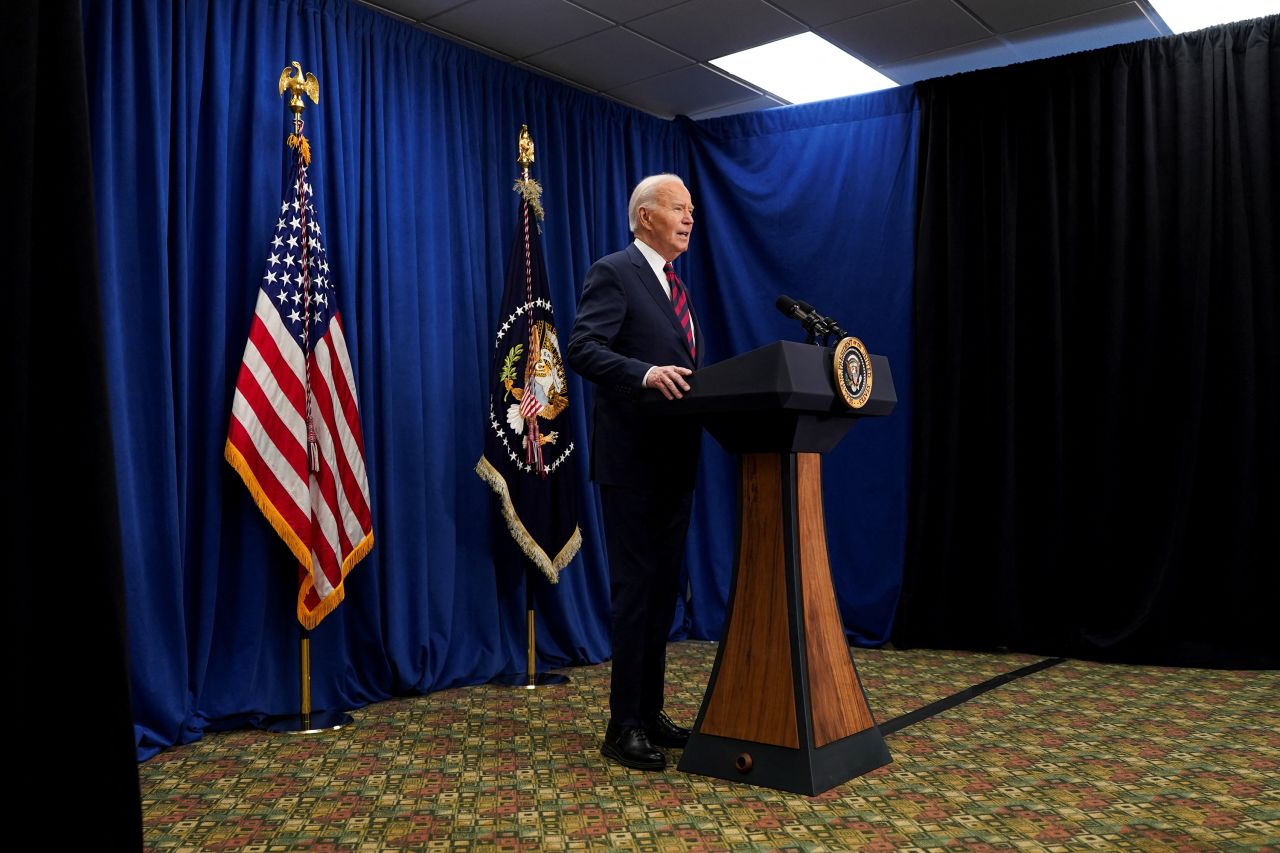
(624, 326)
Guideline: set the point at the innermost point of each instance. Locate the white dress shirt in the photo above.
(658, 263)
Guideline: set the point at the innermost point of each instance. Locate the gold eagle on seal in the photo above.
(544, 377)
(853, 377)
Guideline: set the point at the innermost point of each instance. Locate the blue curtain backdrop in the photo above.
(414, 140)
(817, 202)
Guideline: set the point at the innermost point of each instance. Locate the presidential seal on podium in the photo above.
(853, 372)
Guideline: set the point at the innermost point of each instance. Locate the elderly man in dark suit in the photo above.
(636, 329)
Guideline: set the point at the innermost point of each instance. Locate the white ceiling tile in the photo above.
(415, 9)
(627, 10)
(909, 29)
(518, 28)
(1103, 28)
(1007, 15)
(608, 59)
(987, 53)
(751, 105)
(645, 52)
(708, 29)
(683, 91)
(819, 13)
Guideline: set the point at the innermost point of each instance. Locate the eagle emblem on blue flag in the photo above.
(535, 390)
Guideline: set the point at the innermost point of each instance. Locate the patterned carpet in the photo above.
(1079, 756)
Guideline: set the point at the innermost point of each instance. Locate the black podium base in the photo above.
(801, 771)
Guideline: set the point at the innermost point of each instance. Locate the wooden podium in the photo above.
(784, 707)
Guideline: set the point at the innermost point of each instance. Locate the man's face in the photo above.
(665, 224)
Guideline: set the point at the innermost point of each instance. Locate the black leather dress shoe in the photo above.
(663, 732)
(629, 746)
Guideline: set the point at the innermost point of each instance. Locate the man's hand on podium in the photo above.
(669, 379)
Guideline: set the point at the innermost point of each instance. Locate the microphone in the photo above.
(825, 325)
(794, 309)
(813, 322)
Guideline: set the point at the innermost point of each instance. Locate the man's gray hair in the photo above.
(645, 193)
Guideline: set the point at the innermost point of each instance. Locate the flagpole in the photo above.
(307, 720)
(536, 678)
(304, 667)
(532, 678)
(525, 159)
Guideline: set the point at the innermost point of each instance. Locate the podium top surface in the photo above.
(781, 376)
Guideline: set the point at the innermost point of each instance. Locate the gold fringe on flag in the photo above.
(311, 618)
(549, 567)
(296, 545)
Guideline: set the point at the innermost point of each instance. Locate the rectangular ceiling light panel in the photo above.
(803, 68)
(1183, 16)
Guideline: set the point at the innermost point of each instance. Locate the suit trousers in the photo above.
(644, 534)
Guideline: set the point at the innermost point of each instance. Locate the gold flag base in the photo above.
(531, 679)
(520, 679)
(306, 721)
(307, 724)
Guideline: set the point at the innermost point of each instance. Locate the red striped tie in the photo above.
(680, 304)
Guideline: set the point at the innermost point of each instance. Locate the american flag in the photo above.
(295, 435)
(530, 405)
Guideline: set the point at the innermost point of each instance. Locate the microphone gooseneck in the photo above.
(814, 323)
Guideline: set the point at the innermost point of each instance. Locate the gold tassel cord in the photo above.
(531, 191)
(299, 143)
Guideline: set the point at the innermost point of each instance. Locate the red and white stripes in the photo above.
(324, 516)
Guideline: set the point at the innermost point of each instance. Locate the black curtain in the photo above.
(73, 754)
(1095, 460)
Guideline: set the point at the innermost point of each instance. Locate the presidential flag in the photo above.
(295, 435)
(527, 446)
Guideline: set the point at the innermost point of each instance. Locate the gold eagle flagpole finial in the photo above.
(299, 84)
(529, 189)
(525, 145)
